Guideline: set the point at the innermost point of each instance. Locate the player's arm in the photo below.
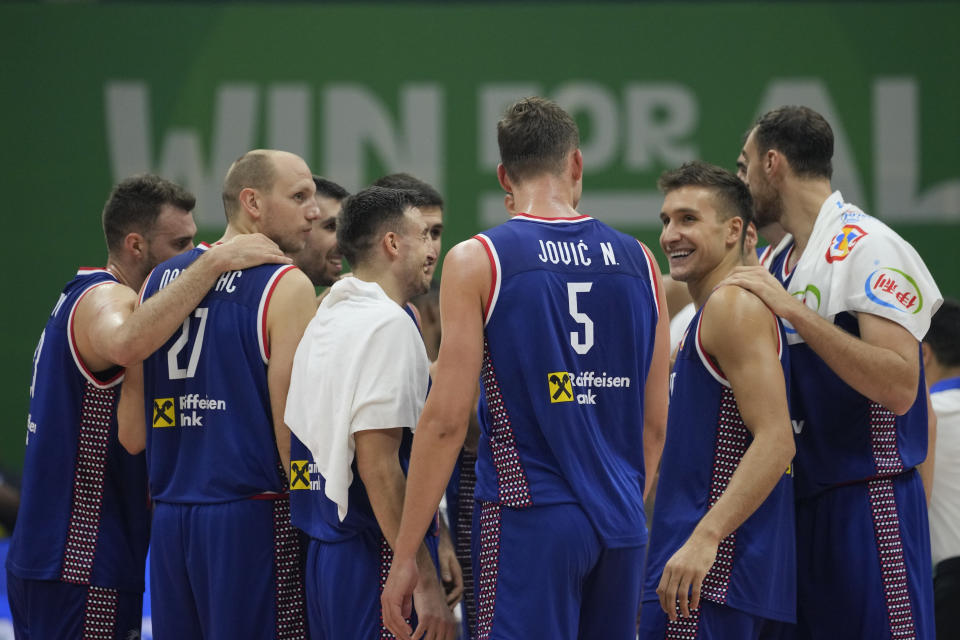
(882, 364)
(131, 419)
(111, 330)
(292, 305)
(379, 468)
(443, 424)
(742, 336)
(656, 392)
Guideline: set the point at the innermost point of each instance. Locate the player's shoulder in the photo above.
(472, 253)
(731, 306)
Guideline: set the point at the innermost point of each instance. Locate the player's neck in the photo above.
(802, 202)
(385, 279)
(701, 288)
(234, 229)
(126, 274)
(546, 197)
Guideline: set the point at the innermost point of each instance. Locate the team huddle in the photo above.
(284, 456)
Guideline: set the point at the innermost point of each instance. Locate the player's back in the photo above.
(84, 514)
(210, 436)
(569, 335)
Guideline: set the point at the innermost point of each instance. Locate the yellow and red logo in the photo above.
(844, 242)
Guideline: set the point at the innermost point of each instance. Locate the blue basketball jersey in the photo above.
(841, 435)
(84, 512)
(569, 335)
(755, 569)
(210, 431)
(315, 514)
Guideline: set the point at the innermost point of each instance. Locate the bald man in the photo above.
(225, 560)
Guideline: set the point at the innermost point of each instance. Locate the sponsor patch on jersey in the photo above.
(894, 289)
(299, 474)
(561, 386)
(844, 242)
(164, 412)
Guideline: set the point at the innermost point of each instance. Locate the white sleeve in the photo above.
(887, 278)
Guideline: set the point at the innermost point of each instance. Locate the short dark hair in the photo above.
(802, 135)
(134, 204)
(944, 334)
(429, 197)
(732, 194)
(366, 215)
(329, 188)
(254, 169)
(535, 135)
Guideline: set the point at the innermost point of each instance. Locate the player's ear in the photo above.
(774, 163)
(504, 179)
(250, 201)
(391, 244)
(734, 230)
(135, 244)
(576, 162)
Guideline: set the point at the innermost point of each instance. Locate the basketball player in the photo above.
(562, 315)
(857, 302)
(722, 543)
(320, 258)
(358, 383)
(225, 561)
(76, 562)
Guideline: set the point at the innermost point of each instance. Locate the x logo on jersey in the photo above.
(163, 410)
(562, 385)
(299, 478)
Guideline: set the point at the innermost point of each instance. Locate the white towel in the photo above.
(360, 365)
(854, 262)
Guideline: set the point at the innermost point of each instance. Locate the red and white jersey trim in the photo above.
(262, 340)
(652, 274)
(785, 270)
(495, 276)
(712, 367)
(766, 255)
(527, 216)
(72, 341)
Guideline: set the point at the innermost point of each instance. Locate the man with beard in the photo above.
(320, 257)
(857, 302)
(76, 561)
(358, 384)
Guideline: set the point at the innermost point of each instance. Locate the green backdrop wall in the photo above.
(94, 93)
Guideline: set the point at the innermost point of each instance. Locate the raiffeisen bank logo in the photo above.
(185, 411)
(565, 386)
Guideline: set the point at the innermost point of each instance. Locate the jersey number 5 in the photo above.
(173, 364)
(573, 288)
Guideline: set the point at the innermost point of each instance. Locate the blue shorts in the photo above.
(848, 586)
(228, 570)
(711, 621)
(542, 572)
(55, 609)
(344, 583)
